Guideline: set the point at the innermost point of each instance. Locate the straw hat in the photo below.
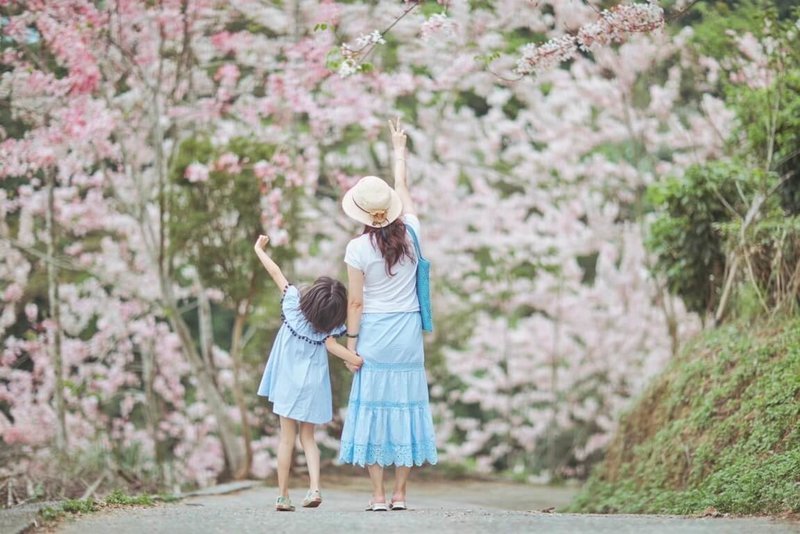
(372, 202)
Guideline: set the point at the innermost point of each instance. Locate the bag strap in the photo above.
(415, 240)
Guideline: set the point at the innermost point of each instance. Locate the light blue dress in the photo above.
(296, 378)
(389, 418)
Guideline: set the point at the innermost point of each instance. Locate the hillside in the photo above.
(720, 427)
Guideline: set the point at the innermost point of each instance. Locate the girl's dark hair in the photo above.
(391, 241)
(324, 304)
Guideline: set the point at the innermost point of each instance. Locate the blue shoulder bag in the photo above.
(423, 284)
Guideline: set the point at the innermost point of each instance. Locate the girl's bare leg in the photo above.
(312, 454)
(285, 450)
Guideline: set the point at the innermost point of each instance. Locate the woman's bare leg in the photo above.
(285, 450)
(376, 476)
(400, 480)
(312, 454)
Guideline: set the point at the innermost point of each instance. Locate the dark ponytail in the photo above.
(391, 241)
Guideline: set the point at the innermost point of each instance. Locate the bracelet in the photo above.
(348, 334)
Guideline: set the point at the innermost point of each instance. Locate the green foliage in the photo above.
(718, 20)
(79, 506)
(686, 238)
(216, 223)
(737, 218)
(120, 498)
(719, 428)
(519, 37)
(431, 8)
(487, 59)
(769, 116)
(714, 21)
(48, 513)
(770, 120)
(86, 506)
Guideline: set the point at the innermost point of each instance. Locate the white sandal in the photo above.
(284, 504)
(377, 507)
(398, 505)
(313, 499)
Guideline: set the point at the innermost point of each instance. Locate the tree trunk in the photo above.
(236, 356)
(152, 410)
(232, 446)
(205, 323)
(234, 454)
(55, 316)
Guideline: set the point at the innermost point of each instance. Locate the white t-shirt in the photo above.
(384, 293)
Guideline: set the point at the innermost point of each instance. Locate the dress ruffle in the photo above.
(386, 454)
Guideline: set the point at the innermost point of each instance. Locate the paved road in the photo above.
(434, 507)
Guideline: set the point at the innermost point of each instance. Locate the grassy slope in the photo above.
(719, 428)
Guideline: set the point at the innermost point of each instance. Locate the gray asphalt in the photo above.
(434, 507)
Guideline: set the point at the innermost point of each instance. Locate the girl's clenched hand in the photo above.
(261, 242)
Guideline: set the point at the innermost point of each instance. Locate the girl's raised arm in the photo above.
(271, 267)
(400, 174)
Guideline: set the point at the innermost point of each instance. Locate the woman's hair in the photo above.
(324, 304)
(391, 241)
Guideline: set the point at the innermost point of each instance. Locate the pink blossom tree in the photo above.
(530, 195)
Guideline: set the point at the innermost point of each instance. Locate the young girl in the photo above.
(296, 378)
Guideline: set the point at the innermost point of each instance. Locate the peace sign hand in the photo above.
(398, 136)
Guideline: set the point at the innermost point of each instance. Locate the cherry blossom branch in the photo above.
(45, 258)
(678, 14)
(615, 25)
(353, 59)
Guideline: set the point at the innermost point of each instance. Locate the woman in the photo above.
(388, 418)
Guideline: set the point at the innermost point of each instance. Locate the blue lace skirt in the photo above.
(388, 417)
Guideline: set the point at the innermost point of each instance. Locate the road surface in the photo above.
(452, 507)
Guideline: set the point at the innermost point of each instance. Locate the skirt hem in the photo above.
(386, 455)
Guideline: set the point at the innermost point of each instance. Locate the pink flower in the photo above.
(196, 172)
(438, 23)
(228, 162)
(262, 169)
(31, 311)
(222, 41)
(215, 295)
(13, 293)
(227, 74)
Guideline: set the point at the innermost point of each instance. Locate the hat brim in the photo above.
(355, 213)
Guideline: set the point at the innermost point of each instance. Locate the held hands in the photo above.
(352, 367)
(398, 138)
(261, 242)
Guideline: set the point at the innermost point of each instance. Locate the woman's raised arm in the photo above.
(400, 174)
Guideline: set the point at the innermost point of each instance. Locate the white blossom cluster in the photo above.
(352, 55)
(436, 24)
(347, 67)
(614, 26)
(374, 37)
(546, 56)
